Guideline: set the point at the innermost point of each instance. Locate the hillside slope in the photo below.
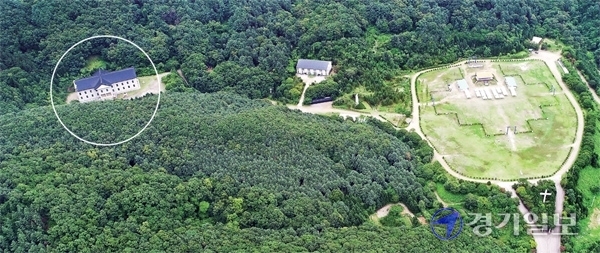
(214, 172)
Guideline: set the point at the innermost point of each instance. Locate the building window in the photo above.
(87, 97)
(134, 85)
(85, 92)
(118, 88)
(128, 87)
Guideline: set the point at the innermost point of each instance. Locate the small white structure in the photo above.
(563, 67)
(468, 94)
(545, 193)
(504, 92)
(477, 93)
(513, 91)
(536, 40)
(499, 93)
(484, 76)
(313, 67)
(352, 116)
(104, 85)
(462, 84)
(488, 93)
(510, 82)
(484, 96)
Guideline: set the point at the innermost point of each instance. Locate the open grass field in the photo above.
(510, 156)
(444, 76)
(532, 72)
(448, 197)
(94, 63)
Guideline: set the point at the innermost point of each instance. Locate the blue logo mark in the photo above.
(449, 218)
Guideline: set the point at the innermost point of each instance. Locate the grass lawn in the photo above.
(532, 72)
(552, 45)
(444, 75)
(448, 197)
(396, 119)
(518, 55)
(94, 63)
(468, 150)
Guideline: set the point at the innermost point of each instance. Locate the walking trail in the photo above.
(444, 204)
(382, 212)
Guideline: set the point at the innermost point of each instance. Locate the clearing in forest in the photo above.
(486, 144)
(148, 85)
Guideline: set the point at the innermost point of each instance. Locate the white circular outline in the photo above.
(52, 99)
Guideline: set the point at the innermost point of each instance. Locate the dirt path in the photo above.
(302, 96)
(328, 108)
(153, 88)
(183, 77)
(382, 212)
(511, 139)
(71, 97)
(440, 200)
(545, 243)
(596, 98)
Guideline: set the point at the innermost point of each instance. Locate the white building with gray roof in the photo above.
(313, 67)
(104, 85)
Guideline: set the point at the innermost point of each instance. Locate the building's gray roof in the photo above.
(462, 84)
(510, 81)
(105, 77)
(312, 64)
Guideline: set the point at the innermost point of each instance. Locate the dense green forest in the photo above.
(254, 176)
(217, 173)
(250, 47)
